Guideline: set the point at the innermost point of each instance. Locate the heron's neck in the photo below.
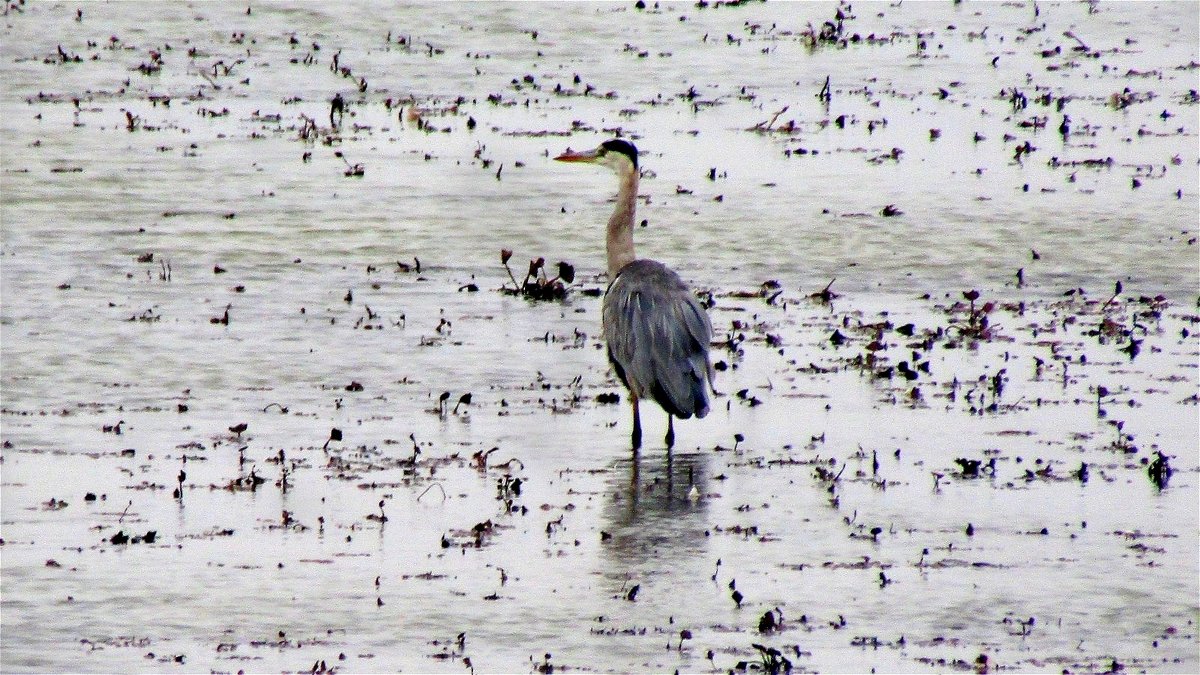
(620, 225)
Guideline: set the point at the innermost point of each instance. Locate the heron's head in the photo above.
(618, 155)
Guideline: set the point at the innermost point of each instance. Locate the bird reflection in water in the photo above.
(655, 508)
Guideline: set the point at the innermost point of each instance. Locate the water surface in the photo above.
(130, 225)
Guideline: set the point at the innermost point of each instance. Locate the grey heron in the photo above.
(656, 331)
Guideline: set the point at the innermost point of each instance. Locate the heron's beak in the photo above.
(572, 156)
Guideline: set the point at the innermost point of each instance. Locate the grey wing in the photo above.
(658, 335)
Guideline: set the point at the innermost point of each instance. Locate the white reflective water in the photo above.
(94, 333)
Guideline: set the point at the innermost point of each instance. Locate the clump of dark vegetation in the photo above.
(771, 660)
(121, 538)
(976, 326)
(538, 284)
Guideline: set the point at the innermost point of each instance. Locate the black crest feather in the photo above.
(624, 147)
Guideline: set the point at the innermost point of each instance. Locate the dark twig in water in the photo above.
(1160, 470)
(767, 127)
(352, 170)
(465, 399)
(1116, 292)
(431, 486)
(335, 434)
(825, 295)
(825, 94)
(125, 512)
(337, 107)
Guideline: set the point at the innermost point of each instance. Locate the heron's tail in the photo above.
(689, 399)
(700, 396)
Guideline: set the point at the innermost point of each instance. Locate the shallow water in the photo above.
(282, 578)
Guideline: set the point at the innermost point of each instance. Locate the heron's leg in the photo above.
(637, 422)
(670, 430)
